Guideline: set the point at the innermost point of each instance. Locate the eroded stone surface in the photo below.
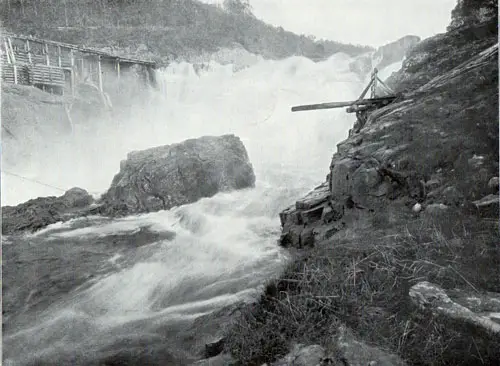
(163, 177)
(488, 206)
(431, 297)
(43, 211)
(302, 356)
(358, 353)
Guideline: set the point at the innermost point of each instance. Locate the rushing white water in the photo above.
(253, 103)
(224, 247)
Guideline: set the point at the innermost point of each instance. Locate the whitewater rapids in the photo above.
(96, 289)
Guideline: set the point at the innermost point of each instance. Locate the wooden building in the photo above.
(59, 67)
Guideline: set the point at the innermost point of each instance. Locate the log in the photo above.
(367, 102)
(13, 57)
(28, 50)
(99, 72)
(355, 109)
(47, 56)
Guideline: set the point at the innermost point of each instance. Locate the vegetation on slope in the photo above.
(161, 28)
(362, 275)
(362, 280)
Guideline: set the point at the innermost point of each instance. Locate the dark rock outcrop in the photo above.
(409, 149)
(469, 13)
(163, 177)
(409, 198)
(40, 212)
(437, 55)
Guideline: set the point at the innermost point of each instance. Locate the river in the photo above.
(97, 291)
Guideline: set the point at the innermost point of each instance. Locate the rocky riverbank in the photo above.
(399, 246)
(151, 180)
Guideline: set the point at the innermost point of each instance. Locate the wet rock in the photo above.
(220, 360)
(307, 237)
(493, 184)
(312, 215)
(432, 184)
(332, 212)
(214, 348)
(488, 206)
(485, 302)
(291, 237)
(452, 196)
(163, 177)
(364, 180)
(431, 297)
(290, 216)
(436, 209)
(302, 355)
(43, 211)
(317, 196)
(357, 353)
(341, 177)
(77, 197)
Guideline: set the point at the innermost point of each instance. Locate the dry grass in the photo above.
(365, 285)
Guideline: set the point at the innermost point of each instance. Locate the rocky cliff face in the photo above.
(438, 145)
(400, 243)
(438, 55)
(384, 55)
(470, 13)
(172, 175)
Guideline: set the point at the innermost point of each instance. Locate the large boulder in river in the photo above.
(166, 176)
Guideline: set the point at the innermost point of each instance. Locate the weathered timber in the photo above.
(375, 102)
(61, 67)
(81, 49)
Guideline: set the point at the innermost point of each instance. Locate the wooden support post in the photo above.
(47, 58)
(72, 58)
(374, 83)
(15, 74)
(99, 72)
(82, 67)
(59, 56)
(7, 52)
(366, 90)
(11, 50)
(385, 85)
(13, 59)
(28, 49)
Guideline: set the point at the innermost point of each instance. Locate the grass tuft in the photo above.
(365, 283)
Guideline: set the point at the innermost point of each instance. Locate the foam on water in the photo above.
(225, 246)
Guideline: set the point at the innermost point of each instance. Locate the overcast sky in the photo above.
(368, 22)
